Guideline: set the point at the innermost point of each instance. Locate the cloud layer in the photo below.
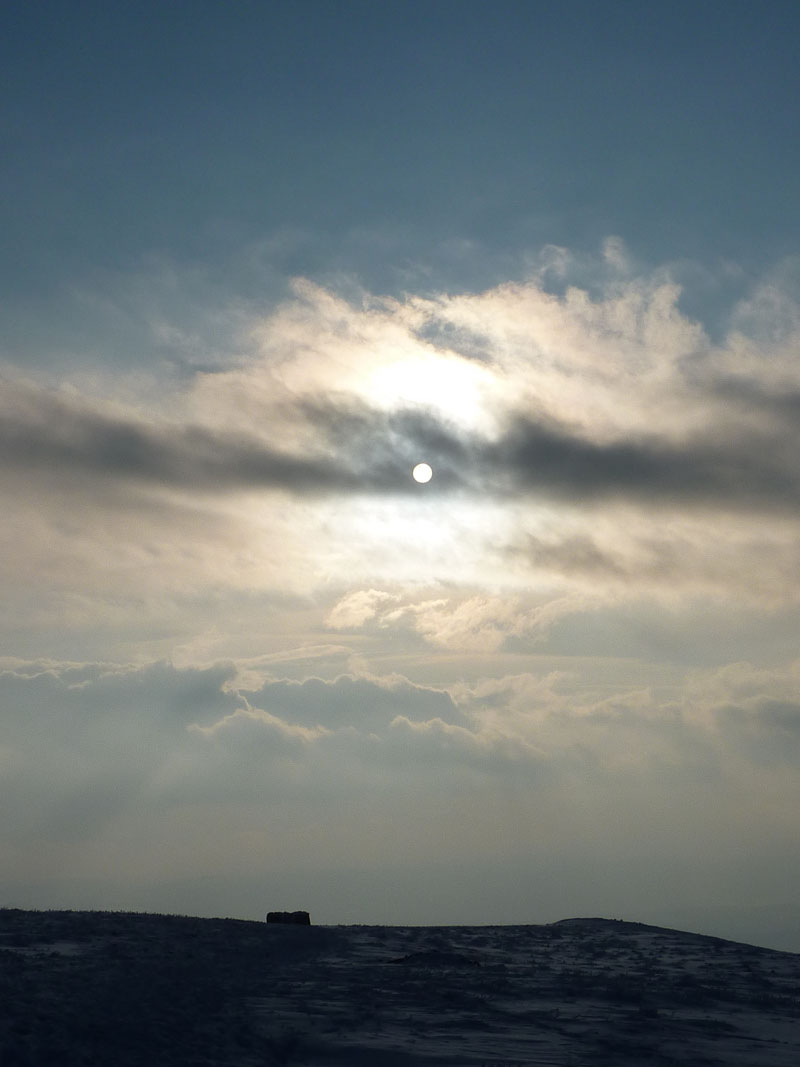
(111, 772)
(245, 639)
(595, 437)
(626, 410)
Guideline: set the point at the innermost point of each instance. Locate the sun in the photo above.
(423, 472)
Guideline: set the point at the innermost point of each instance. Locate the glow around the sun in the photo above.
(440, 382)
(423, 472)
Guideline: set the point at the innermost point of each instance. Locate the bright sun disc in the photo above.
(423, 472)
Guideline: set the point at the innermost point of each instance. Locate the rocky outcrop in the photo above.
(289, 918)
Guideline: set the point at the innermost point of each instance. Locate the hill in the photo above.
(92, 988)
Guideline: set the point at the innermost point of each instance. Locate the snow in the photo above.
(93, 988)
(567, 994)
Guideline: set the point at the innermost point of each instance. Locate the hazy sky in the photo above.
(258, 260)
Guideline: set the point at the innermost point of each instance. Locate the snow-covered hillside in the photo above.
(92, 988)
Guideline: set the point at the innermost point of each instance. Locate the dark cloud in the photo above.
(763, 729)
(768, 405)
(579, 554)
(754, 569)
(358, 450)
(56, 433)
(361, 450)
(737, 469)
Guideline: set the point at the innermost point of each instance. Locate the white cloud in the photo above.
(482, 624)
(361, 606)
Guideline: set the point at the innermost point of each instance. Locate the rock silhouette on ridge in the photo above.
(289, 918)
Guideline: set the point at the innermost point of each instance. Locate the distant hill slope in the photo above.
(625, 926)
(99, 988)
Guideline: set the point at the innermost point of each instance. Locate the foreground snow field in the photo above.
(96, 988)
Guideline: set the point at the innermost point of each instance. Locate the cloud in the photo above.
(537, 458)
(46, 431)
(467, 623)
(361, 452)
(139, 776)
(683, 555)
(478, 623)
(579, 399)
(83, 743)
(363, 605)
(366, 703)
(588, 443)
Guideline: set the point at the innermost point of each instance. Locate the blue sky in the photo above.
(261, 259)
(371, 137)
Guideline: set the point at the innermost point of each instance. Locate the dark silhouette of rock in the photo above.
(289, 918)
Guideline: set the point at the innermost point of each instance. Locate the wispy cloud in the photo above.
(613, 398)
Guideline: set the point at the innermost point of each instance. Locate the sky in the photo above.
(258, 261)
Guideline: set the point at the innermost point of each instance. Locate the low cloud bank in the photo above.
(89, 750)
